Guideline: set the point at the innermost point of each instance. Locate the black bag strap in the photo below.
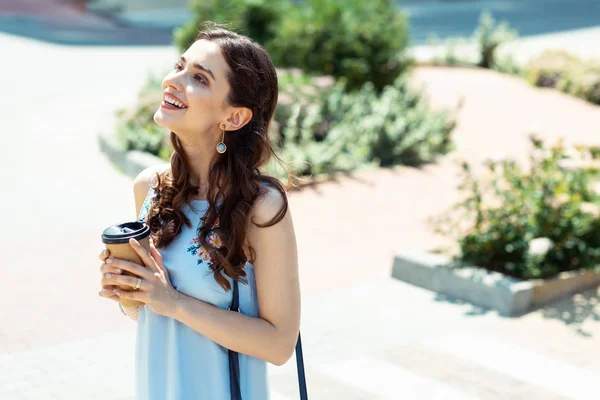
(234, 362)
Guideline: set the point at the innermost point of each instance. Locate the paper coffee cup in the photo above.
(116, 239)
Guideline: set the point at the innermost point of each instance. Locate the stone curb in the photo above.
(131, 162)
(487, 289)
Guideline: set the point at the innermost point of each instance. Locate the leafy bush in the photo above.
(451, 51)
(489, 36)
(256, 19)
(549, 68)
(334, 130)
(508, 65)
(529, 223)
(582, 81)
(320, 128)
(136, 129)
(567, 73)
(361, 40)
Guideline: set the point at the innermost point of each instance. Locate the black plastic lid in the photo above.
(120, 234)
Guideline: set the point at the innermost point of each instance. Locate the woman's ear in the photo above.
(239, 118)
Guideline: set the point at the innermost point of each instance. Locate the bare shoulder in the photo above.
(142, 181)
(269, 204)
(141, 184)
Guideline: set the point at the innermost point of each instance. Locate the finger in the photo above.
(109, 287)
(108, 294)
(154, 252)
(104, 255)
(135, 269)
(108, 269)
(144, 254)
(137, 295)
(157, 257)
(119, 280)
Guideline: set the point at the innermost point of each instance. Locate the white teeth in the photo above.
(173, 102)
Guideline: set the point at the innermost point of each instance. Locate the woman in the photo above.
(215, 219)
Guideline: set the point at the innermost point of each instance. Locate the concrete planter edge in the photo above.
(131, 162)
(492, 290)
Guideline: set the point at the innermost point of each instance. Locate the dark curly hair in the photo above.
(235, 179)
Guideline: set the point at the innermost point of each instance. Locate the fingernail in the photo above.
(118, 270)
(109, 260)
(108, 276)
(116, 292)
(134, 241)
(105, 252)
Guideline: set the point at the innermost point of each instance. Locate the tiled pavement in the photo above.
(381, 340)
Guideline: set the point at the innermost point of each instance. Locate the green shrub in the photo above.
(254, 18)
(489, 36)
(148, 137)
(332, 130)
(529, 223)
(567, 73)
(548, 68)
(360, 40)
(450, 51)
(321, 128)
(136, 129)
(582, 81)
(508, 65)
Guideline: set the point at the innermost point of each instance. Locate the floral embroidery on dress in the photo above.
(203, 255)
(146, 205)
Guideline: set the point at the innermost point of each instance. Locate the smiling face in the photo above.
(195, 93)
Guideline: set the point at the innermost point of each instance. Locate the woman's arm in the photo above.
(272, 336)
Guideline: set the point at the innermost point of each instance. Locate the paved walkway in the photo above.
(362, 330)
(379, 340)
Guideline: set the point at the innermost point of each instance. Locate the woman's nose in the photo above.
(174, 81)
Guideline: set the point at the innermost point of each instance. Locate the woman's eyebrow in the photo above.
(202, 68)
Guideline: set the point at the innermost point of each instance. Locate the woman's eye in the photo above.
(178, 67)
(200, 78)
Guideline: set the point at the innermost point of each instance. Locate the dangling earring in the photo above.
(221, 148)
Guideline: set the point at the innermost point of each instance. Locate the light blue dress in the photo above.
(174, 362)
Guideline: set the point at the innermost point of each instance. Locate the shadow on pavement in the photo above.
(474, 311)
(307, 183)
(575, 309)
(572, 310)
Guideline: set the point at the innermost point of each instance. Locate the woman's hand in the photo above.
(156, 290)
(107, 289)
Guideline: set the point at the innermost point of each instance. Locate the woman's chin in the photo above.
(161, 120)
